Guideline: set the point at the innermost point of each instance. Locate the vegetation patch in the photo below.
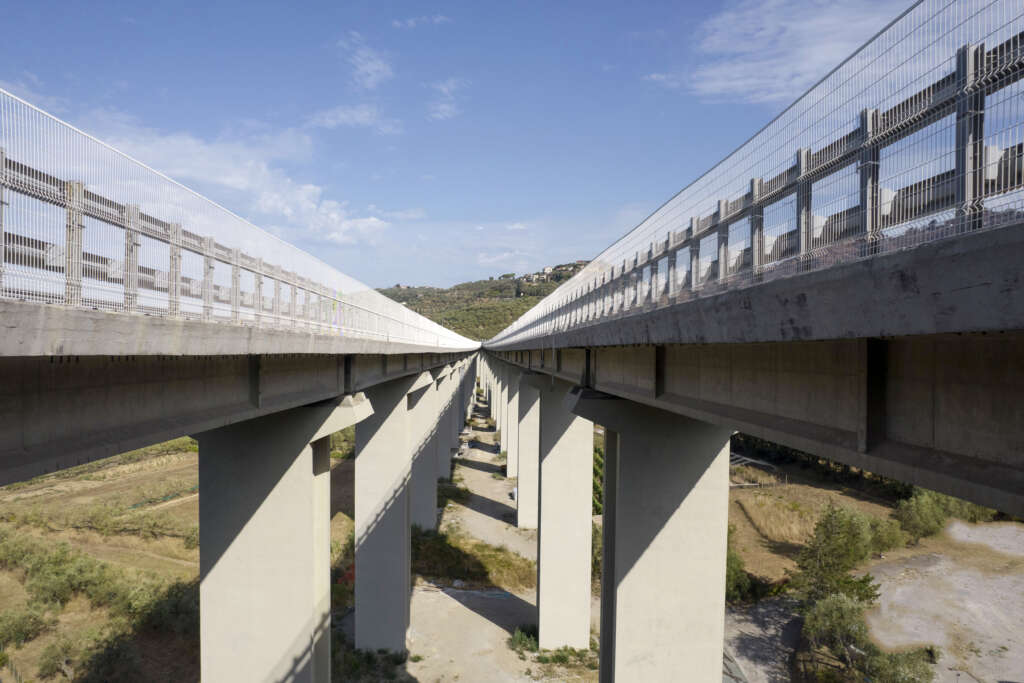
(833, 602)
(450, 555)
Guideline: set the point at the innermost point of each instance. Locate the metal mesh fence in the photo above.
(918, 136)
(84, 225)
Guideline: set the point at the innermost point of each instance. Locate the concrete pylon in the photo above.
(564, 519)
(423, 411)
(264, 560)
(511, 442)
(446, 416)
(665, 517)
(528, 483)
(383, 541)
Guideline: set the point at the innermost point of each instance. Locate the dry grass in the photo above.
(773, 524)
(453, 554)
(745, 474)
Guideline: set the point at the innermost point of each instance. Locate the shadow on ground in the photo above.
(161, 644)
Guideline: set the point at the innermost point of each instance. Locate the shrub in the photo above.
(837, 622)
(737, 581)
(596, 550)
(524, 639)
(58, 658)
(597, 506)
(18, 626)
(191, 539)
(925, 513)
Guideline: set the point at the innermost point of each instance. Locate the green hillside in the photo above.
(480, 309)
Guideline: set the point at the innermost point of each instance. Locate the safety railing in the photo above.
(918, 136)
(83, 225)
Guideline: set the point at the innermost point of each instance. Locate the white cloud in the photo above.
(490, 259)
(370, 67)
(242, 172)
(773, 50)
(414, 214)
(446, 105)
(442, 110)
(413, 22)
(356, 116)
(516, 226)
(28, 87)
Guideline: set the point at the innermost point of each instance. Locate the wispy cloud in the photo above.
(415, 214)
(516, 226)
(242, 171)
(492, 258)
(28, 87)
(446, 106)
(773, 50)
(356, 116)
(370, 67)
(413, 22)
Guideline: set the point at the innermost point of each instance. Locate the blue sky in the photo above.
(431, 143)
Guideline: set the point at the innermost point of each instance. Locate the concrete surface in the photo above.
(563, 558)
(264, 577)
(666, 518)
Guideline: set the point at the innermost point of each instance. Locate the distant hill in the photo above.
(481, 309)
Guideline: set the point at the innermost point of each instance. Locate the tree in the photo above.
(841, 540)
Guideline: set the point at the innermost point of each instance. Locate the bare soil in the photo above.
(962, 591)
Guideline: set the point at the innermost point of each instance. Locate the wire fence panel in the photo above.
(86, 226)
(918, 136)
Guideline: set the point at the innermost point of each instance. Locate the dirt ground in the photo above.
(490, 512)
(962, 591)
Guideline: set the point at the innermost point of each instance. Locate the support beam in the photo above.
(665, 516)
(383, 550)
(527, 486)
(264, 562)
(564, 516)
(423, 429)
(511, 440)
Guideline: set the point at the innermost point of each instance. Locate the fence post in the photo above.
(208, 269)
(174, 280)
(132, 242)
(258, 294)
(3, 206)
(74, 196)
(723, 252)
(277, 300)
(236, 290)
(756, 228)
(970, 136)
(694, 263)
(803, 200)
(868, 168)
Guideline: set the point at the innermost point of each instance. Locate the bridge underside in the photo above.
(61, 411)
(944, 411)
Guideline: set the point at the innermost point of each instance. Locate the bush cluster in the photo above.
(926, 512)
(834, 601)
(54, 575)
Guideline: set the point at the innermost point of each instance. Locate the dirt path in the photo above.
(490, 512)
(462, 635)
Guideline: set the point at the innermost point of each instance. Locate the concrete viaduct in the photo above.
(847, 282)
